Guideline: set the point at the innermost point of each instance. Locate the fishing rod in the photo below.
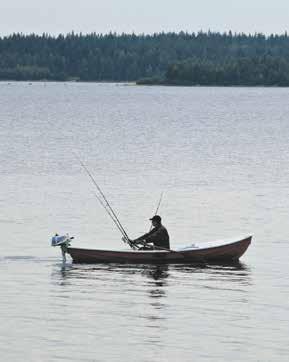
(108, 212)
(158, 206)
(106, 205)
(105, 199)
(115, 222)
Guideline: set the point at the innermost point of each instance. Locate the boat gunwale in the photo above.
(163, 252)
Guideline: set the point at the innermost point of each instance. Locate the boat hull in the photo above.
(213, 253)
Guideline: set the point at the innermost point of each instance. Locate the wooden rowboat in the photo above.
(209, 252)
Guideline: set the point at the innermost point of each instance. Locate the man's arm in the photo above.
(146, 236)
(152, 237)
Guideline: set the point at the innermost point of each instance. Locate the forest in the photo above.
(203, 58)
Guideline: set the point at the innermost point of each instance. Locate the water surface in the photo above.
(221, 157)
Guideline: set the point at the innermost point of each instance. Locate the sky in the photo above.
(143, 16)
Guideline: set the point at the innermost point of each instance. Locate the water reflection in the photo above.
(149, 299)
(155, 280)
(159, 275)
(158, 279)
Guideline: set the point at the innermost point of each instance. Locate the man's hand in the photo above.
(141, 241)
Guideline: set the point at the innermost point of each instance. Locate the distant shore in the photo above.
(142, 82)
(179, 59)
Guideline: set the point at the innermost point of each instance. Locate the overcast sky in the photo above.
(143, 16)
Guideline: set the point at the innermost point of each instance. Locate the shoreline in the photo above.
(146, 84)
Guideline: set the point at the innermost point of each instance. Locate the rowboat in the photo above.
(208, 252)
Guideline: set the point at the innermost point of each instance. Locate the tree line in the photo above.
(246, 71)
(204, 58)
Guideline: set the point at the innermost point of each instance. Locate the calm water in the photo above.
(221, 157)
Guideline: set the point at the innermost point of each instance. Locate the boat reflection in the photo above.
(159, 274)
(156, 272)
(147, 297)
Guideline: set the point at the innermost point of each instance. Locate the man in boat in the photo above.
(158, 236)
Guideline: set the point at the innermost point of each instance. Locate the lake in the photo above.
(219, 155)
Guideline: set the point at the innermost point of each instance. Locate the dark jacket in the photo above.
(158, 236)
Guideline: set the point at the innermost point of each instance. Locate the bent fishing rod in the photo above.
(106, 205)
